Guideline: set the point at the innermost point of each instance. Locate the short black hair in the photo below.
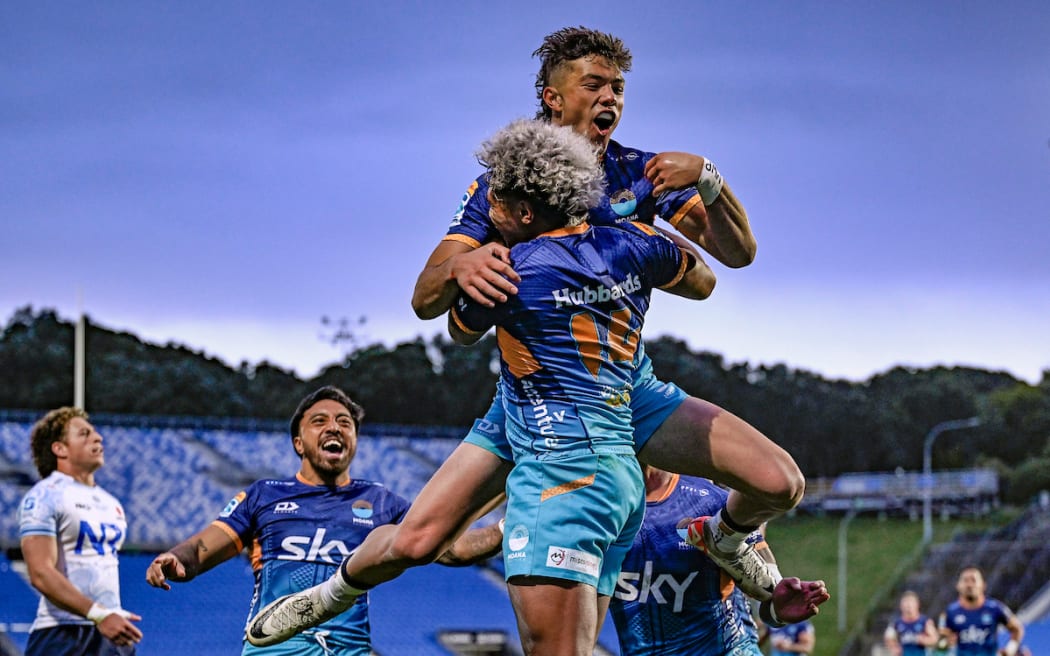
(326, 393)
(571, 43)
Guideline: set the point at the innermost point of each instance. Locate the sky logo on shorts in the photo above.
(518, 538)
(623, 202)
(571, 559)
(362, 509)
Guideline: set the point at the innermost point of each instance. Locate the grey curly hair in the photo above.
(552, 167)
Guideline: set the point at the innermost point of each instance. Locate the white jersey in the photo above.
(89, 526)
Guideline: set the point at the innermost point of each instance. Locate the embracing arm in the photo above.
(720, 228)
(699, 280)
(196, 555)
(484, 274)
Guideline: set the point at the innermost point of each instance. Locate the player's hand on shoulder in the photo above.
(670, 170)
(485, 274)
(165, 566)
(118, 627)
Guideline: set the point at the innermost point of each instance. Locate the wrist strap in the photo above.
(98, 613)
(710, 183)
(502, 521)
(768, 615)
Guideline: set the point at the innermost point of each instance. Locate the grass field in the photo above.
(878, 552)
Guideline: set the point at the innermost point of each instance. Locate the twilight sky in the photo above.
(225, 174)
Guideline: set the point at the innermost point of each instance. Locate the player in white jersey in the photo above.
(71, 530)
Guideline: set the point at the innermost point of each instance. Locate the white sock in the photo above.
(335, 591)
(726, 539)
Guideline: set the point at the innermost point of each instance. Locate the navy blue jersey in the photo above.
(670, 598)
(976, 628)
(907, 635)
(791, 633)
(569, 338)
(298, 534)
(628, 198)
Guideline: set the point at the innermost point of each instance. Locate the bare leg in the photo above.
(702, 439)
(555, 617)
(456, 495)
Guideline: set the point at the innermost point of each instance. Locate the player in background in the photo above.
(911, 632)
(299, 529)
(798, 638)
(71, 530)
(971, 622)
(672, 600)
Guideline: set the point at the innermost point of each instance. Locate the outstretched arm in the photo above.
(196, 555)
(719, 225)
(484, 274)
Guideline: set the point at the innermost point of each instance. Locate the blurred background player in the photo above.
(673, 600)
(911, 632)
(792, 639)
(299, 529)
(971, 623)
(71, 530)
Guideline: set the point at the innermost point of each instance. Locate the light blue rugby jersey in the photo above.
(670, 598)
(298, 534)
(569, 338)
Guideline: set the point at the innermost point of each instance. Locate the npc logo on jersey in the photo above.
(232, 505)
(457, 218)
(362, 509)
(572, 559)
(518, 538)
(623, 202)
(286, 507)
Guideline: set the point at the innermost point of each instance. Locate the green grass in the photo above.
(878, 553)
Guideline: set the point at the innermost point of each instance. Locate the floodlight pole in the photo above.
(841, 592)
(927, 468)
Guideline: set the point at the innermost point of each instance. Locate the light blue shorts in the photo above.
(573, 517)
(652, 402)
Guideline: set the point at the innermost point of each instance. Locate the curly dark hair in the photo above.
(49, 429)
(571, 43)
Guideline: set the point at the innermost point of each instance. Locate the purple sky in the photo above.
(224, 174)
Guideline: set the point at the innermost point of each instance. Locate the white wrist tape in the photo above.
(1010, 648)
(502, 521)
(710, 183)
(98, 613)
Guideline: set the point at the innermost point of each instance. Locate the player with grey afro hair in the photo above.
(554, 168)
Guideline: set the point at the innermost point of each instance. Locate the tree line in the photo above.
(829, 426)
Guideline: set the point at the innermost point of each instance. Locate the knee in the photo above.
(792, 487)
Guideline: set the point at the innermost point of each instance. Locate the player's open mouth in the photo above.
(604, 121)
(334, 447)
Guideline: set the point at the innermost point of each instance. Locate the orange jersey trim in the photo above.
(567, 230)
(682, 269)
(459, 324)
(564, 488)
(683, 210)
(667, 490)
(463, 239)
(229, 532)
(519, 359)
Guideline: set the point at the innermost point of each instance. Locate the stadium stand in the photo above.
(18, 607)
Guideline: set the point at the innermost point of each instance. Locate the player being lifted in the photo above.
(580, 84)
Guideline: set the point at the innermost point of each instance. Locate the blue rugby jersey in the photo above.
(670, 598)
(791, 632)
(907, 635)
(977, 628)
(299, 533)
(628, 198)
(569, 338)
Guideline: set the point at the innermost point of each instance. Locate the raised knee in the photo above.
(791, 491)
(412, 548)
